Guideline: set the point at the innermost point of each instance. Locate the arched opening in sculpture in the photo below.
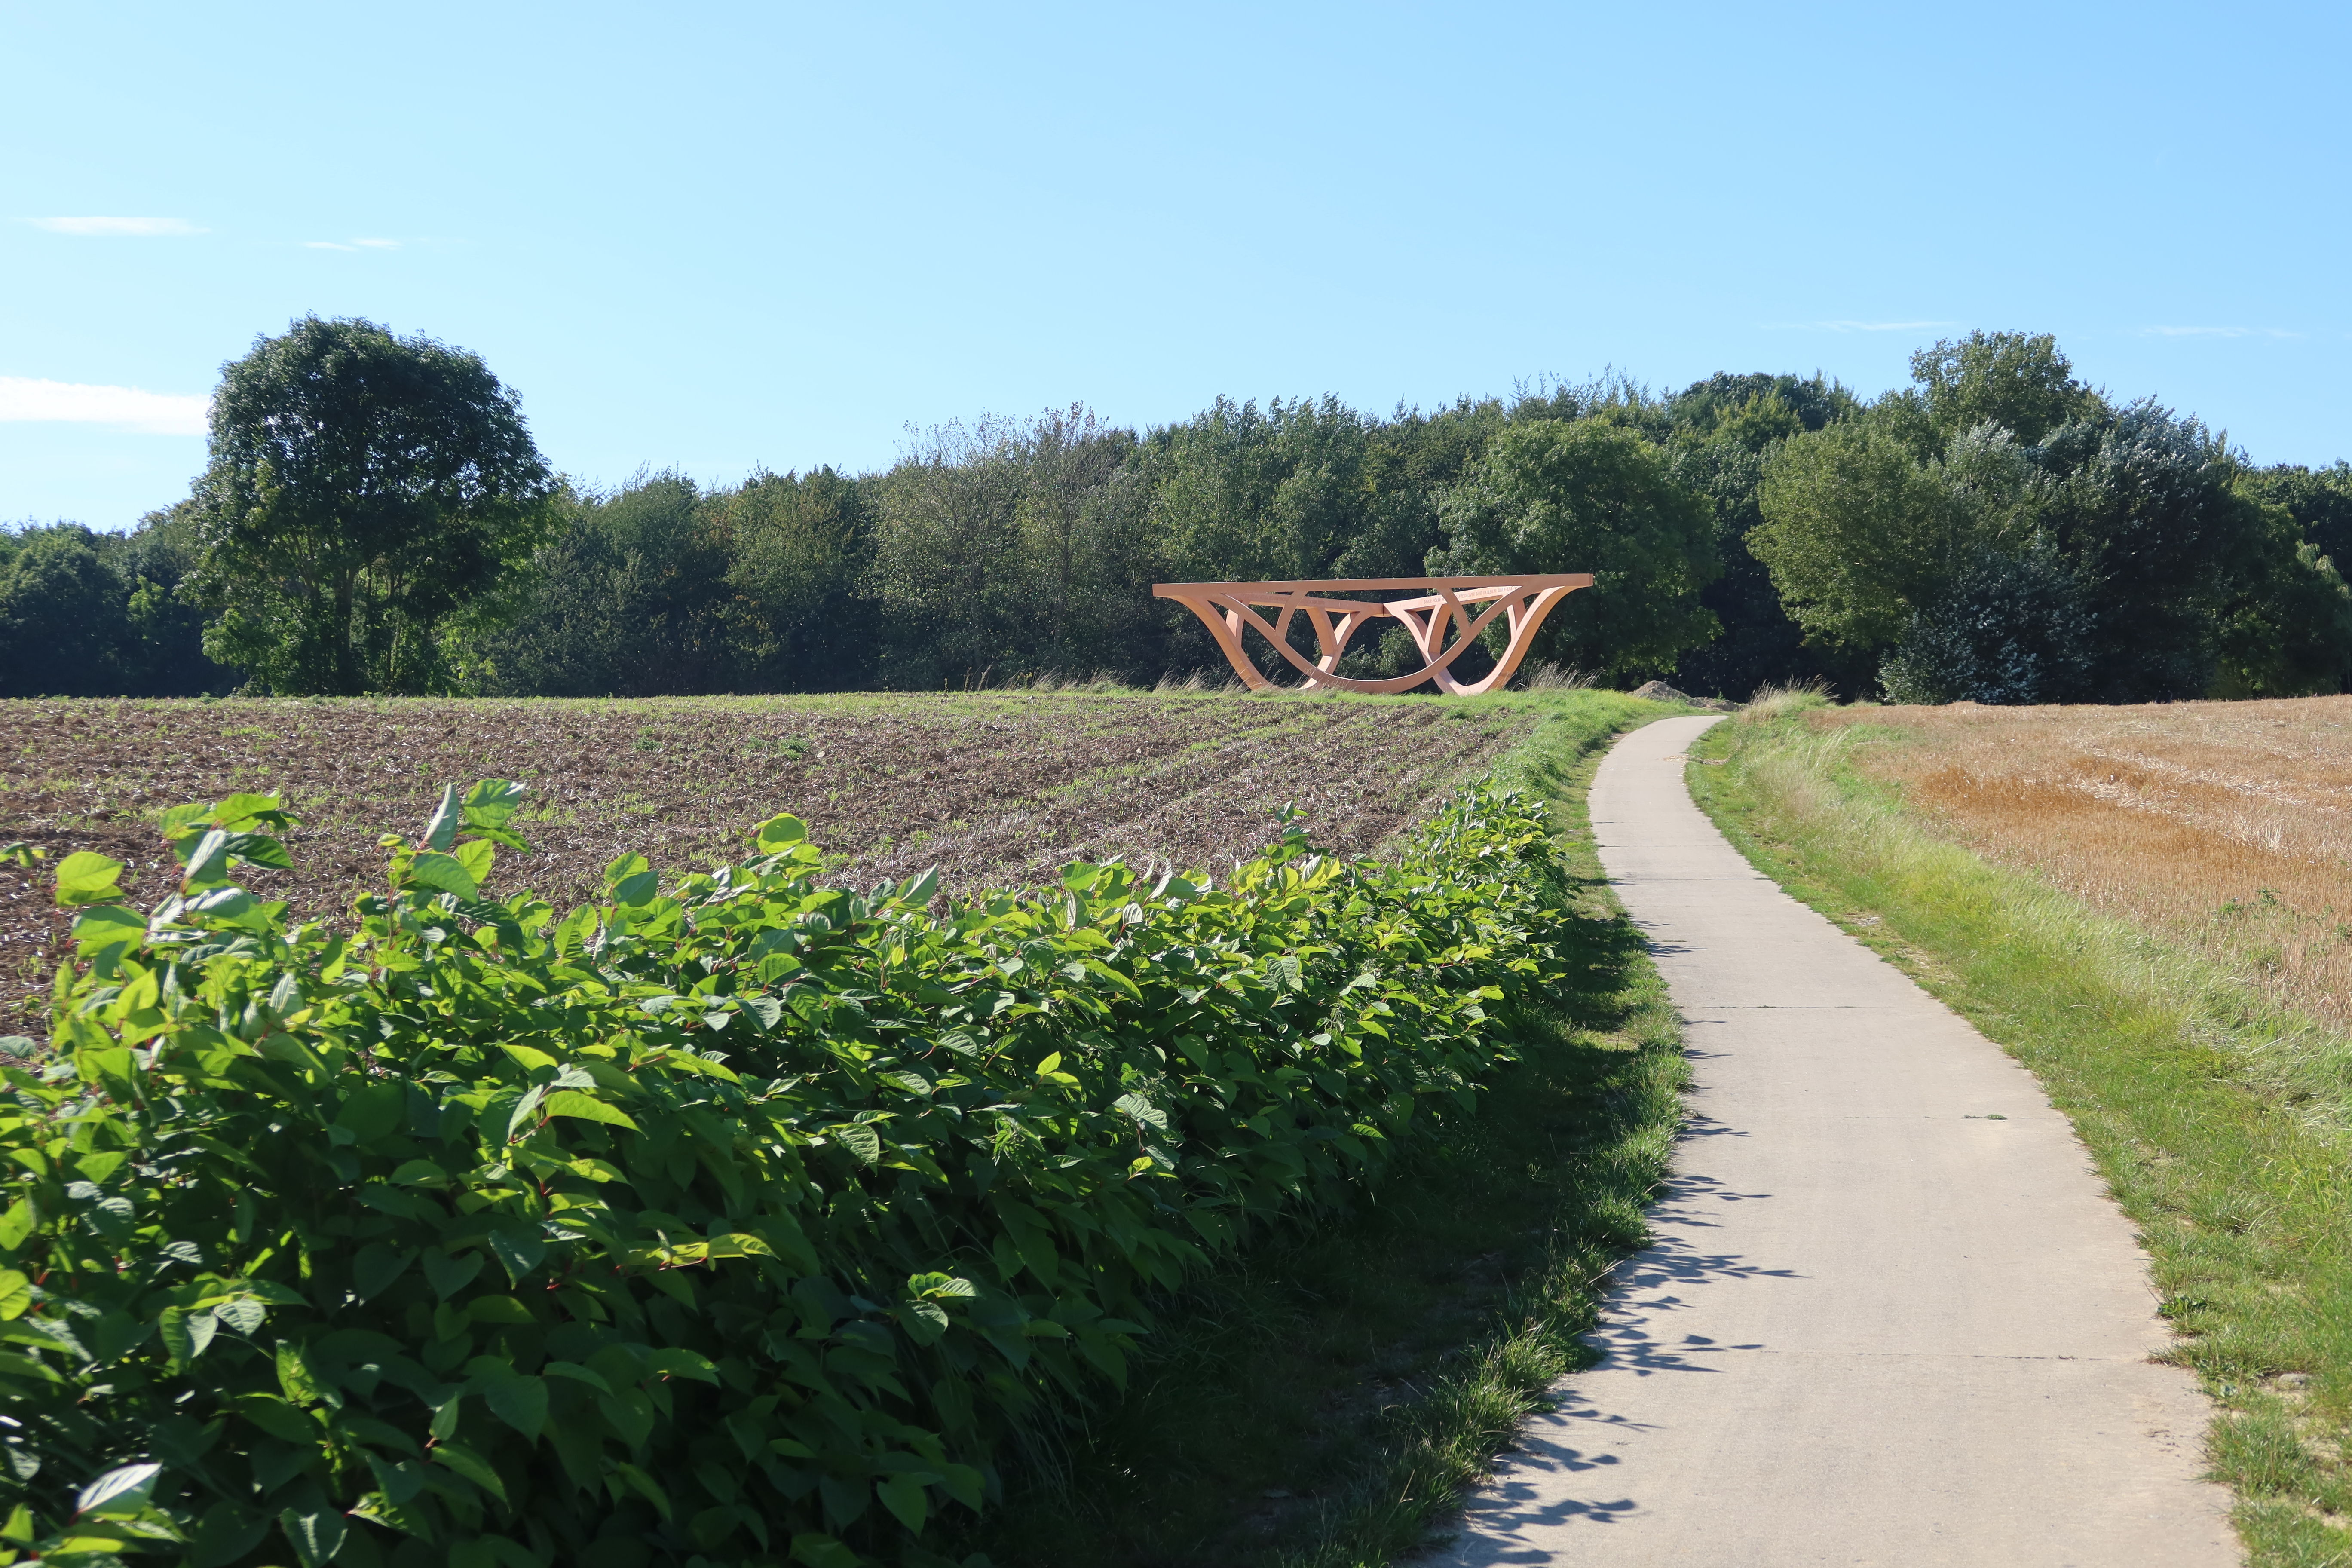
(1439, 618)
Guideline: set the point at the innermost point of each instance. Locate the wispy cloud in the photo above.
(1855, 326)
(118, 228)
(2216, 332)
(154, 412)
(351, 244)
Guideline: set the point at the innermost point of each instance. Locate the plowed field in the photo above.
(993, 789)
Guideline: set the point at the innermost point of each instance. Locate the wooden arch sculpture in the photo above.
(1228, 609)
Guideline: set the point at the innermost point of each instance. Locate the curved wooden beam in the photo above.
(1230, 609)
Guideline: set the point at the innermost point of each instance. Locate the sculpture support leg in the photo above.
(1429, 620)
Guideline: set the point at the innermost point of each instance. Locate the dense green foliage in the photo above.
(363, 488)
(94, 615)
(2002, 532)
(741, 1224)
(1550, 491)
(1996, 530)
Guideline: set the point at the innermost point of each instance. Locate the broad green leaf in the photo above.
(490, 802)
(315, 1534)
(780, 833)
(492, 1552)
(208, 861)
(964, 1483)
(86, 878)
(577, 1374)
(376, 1269)
(183, 825)
(477, 855)
(294, 1375)
(259, 850)
(587, 1107)
(445, 872)
(713, 1526)
(518, 1251)
(373, 1109)
(16, 1294)
(906, 1499)
(107, 925)
(186, 1332)
(450, 1275)
(645, 1486)
(121, 1490)
(244, 1315)
(225, 1533)
(678, 1362)
(498, 1309)
(470, 1465)
(520, 1402)
(1144, 1113)
(441, 827)
(239, 810)
(823, 1552)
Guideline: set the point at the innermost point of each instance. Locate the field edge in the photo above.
(2157, 1061)
(1611, 1058)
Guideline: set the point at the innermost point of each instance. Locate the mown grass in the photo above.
(2206, 1107)
(1324, 1403)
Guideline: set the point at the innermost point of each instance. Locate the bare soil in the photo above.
(995, 789)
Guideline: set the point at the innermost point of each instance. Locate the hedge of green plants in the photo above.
(741, 1224)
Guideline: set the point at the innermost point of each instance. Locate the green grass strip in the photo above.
(2211, 1115)
(1325, 1402)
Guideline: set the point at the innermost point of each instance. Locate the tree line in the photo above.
(374, 517)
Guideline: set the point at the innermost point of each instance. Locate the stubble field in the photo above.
(2228, 824)
(995, 789)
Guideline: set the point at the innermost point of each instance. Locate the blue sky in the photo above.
(722, 237)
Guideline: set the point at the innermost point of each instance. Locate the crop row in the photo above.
(742, 1223)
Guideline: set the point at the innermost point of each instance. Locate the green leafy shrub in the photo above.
(741, 1224)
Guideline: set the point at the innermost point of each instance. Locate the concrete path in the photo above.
(1891, 1318)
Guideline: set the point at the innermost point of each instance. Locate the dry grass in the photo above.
(1545, 675)
(1770, 702)
(2227, 825)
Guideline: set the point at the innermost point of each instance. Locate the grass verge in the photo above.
(1323, 1403)
(2197, 1098)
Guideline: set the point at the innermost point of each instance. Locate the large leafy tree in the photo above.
(2018, 381)
(1590, 495)
(629, 596)
(97, 615)
(1722, 429)
(1856, 533)
(363, 488)
(800, 546)
(2121, 555)
(63, 631)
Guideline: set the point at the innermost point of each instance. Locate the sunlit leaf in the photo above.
(85, 877)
